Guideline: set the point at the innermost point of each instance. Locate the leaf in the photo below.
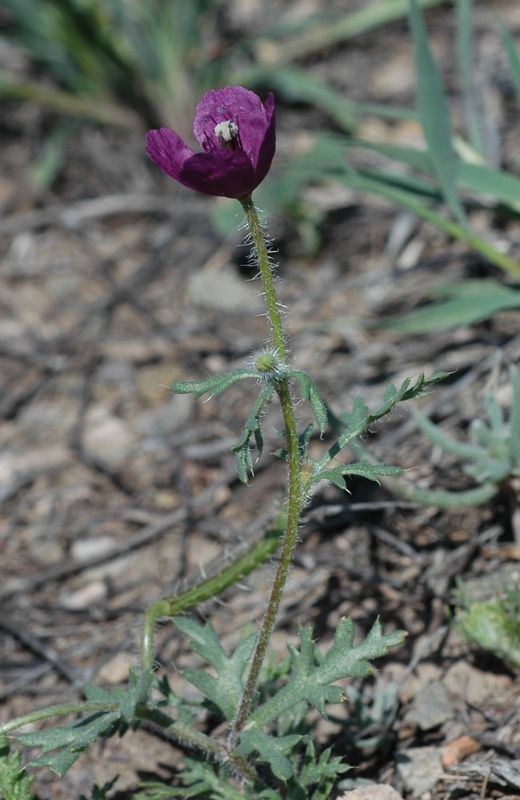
(242, 449)
(479, 179)
(214, 386)
(270, 750)
(465, 59)
(14, 783)
(140, 684)
(441, 439)
(513, 58)
(224, 691)
(59, 763)
(71, 741)
(467, 302)
(361, 468)
(514, 420)
(347, 660)
(312, 675)
(434, 114)
(309, 391)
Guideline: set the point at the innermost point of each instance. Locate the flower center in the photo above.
(227, 134)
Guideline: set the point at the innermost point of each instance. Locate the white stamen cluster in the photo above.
(227, 130)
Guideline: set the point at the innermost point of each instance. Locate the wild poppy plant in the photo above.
(236, 133)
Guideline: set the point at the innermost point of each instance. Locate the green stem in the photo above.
(239, 569)
(295, 493)
(266, 274)
(57, 711)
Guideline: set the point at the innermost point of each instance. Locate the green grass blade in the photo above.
(513, 58)
(466, 303)
(465, 59)
(434, 114)
(478, 179)
(406, 200)
(321, 35)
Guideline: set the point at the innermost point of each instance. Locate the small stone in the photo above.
(86, 597)
(432, 707)
(116, 670)
(420, 768)
(223, 291)
(379, 791)
(85, 549)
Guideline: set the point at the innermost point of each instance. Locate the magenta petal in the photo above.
(265, 153)
(235, 160)
(168, 151)
(232, 103)
(222, 173)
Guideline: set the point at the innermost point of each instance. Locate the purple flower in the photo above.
(237, 136)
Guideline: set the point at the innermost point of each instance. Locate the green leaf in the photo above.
(465, 59)
(514, 420)
(242, 449)
(214, 386)
(137, 693)
(75, 738)
(434, 114)
(225, 691)
(14, 783)
(513, 58)
(312, 676)
(361, 468)
(347, 660)
(270, 750)
(437, 437)
(309, 391)
(476, 178)
(467, 302)
(59, 763)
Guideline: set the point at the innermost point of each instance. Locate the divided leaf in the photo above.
(271, 750)
(224, 691)
(350, 426)
(312, 676)
(71, 742)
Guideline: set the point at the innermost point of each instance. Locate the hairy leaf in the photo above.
(271, 750)
(312, 676)
(361, 468)
(309, 391)
(224, 691)
(242, 449)
(213, 386)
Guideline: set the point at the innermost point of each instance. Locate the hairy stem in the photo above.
(295, 493)
(266, 274)
(234, 572)
(57, 711)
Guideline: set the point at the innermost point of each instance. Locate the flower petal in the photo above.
(265, 152)
(168, 150)
(232, 103)
(223, 173)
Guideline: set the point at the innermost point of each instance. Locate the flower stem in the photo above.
(266, 274)
(295, 493)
